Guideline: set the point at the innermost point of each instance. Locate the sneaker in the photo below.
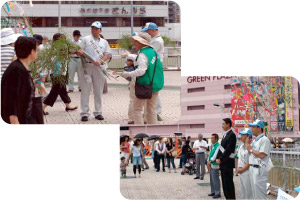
(211, 194)
(84, 118)
(201, 178)
(196, 178)
(99, 117)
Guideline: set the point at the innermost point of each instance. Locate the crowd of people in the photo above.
(218, 159)
(18, 89)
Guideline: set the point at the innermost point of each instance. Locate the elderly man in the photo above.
(225, 159)
(200, 147)
(149, 71)
(98, 48)
(259, 160)
(158, 45)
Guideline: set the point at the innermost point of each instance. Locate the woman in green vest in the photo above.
(146, 61)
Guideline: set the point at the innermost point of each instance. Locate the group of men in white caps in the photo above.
(254, 162)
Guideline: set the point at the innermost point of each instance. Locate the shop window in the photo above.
(197, 107)
(198, 89)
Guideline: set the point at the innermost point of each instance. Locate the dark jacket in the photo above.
(17, 93)
(228, 143)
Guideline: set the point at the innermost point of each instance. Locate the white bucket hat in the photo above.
(8, 36)
(143, 38)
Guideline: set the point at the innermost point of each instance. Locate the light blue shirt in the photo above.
(87, 47)
(136, 151)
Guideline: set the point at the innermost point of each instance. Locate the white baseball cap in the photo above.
(97, 24)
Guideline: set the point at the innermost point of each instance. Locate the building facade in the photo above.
(114, 15)
(206, 100)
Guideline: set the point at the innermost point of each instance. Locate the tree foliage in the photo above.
(125, 42)
(59, 51)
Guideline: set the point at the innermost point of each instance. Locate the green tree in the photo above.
(125, 42)
(168, 41)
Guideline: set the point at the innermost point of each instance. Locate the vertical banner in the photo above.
(281, 106)
(288, 104)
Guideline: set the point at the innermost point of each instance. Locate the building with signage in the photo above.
(206, 100)
(114, 15)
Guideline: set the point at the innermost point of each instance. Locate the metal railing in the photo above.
(286, 171)
(170, 61)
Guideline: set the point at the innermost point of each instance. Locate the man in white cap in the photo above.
(8, 39)
(75, 64)
(259, 160)
(158, 45)
(243, 165)
(98, 48)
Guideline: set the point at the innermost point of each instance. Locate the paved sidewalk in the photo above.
(115, 104)
(165, 185)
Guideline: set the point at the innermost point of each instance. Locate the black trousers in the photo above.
(56, 90)
(227, 183)
(155, 159)
(162, 158)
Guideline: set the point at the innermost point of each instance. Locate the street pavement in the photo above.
(165, 185)
(115, 103)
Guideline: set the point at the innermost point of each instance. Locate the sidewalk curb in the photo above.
(126, 85)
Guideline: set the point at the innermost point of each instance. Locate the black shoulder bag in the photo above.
(145, 91)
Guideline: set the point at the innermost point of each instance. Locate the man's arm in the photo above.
(142, 62)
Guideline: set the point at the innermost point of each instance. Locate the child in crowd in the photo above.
(123, 167)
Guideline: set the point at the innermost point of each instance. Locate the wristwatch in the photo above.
(251, 151)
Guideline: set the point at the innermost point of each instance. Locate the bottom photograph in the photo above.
(237, 138)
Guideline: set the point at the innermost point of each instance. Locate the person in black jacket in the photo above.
(17, 85)
(225, 159)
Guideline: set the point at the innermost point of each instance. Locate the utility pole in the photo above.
(131, 6)
(59, 17)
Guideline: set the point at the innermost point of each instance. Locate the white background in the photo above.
(256, 37)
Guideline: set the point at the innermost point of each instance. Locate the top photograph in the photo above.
(90, 62)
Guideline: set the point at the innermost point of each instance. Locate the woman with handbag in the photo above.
(58, 88)
(171, 154)
(149, 79)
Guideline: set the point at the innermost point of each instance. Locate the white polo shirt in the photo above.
(87, 47)
(158, 45)
(261, 144)
(197, 145)
(243, 156)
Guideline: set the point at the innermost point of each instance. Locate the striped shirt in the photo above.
(7, 54)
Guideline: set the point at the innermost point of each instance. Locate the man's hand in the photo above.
(79, 52)
(124, 54)
(125, 74)
(98, 63)
(218, 161)
(248, 147)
